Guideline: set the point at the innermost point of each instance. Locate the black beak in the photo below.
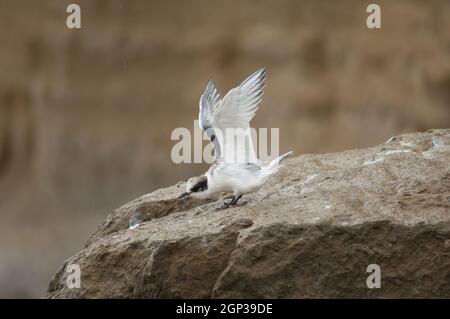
(185, 194)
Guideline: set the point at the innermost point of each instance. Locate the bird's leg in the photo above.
(232, 198)
(235, 199)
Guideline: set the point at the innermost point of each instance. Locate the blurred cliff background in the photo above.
(86, 115)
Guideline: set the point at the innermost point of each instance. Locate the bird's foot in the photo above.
(233, 201)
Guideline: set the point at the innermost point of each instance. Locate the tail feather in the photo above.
(274, 164)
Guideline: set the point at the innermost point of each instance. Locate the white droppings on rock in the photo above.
(305, 190)
(391, 139)
(309, 178)
(382, 158)
(373, 161)
(427, 154)
(407, 144)
(438, 142)
(396, 152)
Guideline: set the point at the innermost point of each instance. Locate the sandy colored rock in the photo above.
(310, 232)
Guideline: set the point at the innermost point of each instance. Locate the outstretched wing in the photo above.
(240, 104)
(227, 121)
(209, 101)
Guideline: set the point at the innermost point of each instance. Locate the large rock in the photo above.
(311, 231)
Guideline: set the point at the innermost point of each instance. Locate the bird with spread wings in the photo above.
(226, 122)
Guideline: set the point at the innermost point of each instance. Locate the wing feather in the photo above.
(235, 110)
(239, 105)
(209, 101)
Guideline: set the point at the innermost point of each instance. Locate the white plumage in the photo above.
(226, 122)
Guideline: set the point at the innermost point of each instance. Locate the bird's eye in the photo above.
(213, 137)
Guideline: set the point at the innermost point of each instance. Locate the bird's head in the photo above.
(195, 186)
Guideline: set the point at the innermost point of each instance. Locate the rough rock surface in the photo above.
(310, 232)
